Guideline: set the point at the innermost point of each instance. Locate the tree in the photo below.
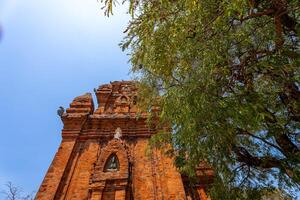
(13, 192)
(276, 195)
(227, 76)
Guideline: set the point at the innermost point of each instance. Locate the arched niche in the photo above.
(110, 176)
(122, 104)
(122, 100)
(112, 163)
(114, 149)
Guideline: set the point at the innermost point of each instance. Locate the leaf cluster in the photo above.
(227, 76)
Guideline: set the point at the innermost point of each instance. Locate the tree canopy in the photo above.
(227, 73)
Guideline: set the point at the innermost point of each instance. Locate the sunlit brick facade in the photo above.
(102, 155)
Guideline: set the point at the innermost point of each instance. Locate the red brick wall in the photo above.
(55, 172)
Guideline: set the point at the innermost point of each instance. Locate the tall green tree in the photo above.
(227, 73)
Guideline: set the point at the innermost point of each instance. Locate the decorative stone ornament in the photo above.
(118, 133)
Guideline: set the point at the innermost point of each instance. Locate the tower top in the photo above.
(116, 97)
(116, 104)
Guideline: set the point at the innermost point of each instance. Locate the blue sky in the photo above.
(50, 52)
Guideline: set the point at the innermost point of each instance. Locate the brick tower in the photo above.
(102, 155)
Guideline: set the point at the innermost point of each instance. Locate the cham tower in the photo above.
(102, 155)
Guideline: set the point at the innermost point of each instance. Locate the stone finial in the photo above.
(118, 133)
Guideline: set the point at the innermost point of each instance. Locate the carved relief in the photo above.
(118, 133)
(115, 97)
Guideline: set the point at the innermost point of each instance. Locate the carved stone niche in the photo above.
(110, 177)
(122, 104)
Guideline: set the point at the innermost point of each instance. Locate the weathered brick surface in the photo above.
(79, 183)
(90, 138)
(55, 172)
(154, 175)
(144, 181)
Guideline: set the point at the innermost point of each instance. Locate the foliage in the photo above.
(276, 195)
(227, 73)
